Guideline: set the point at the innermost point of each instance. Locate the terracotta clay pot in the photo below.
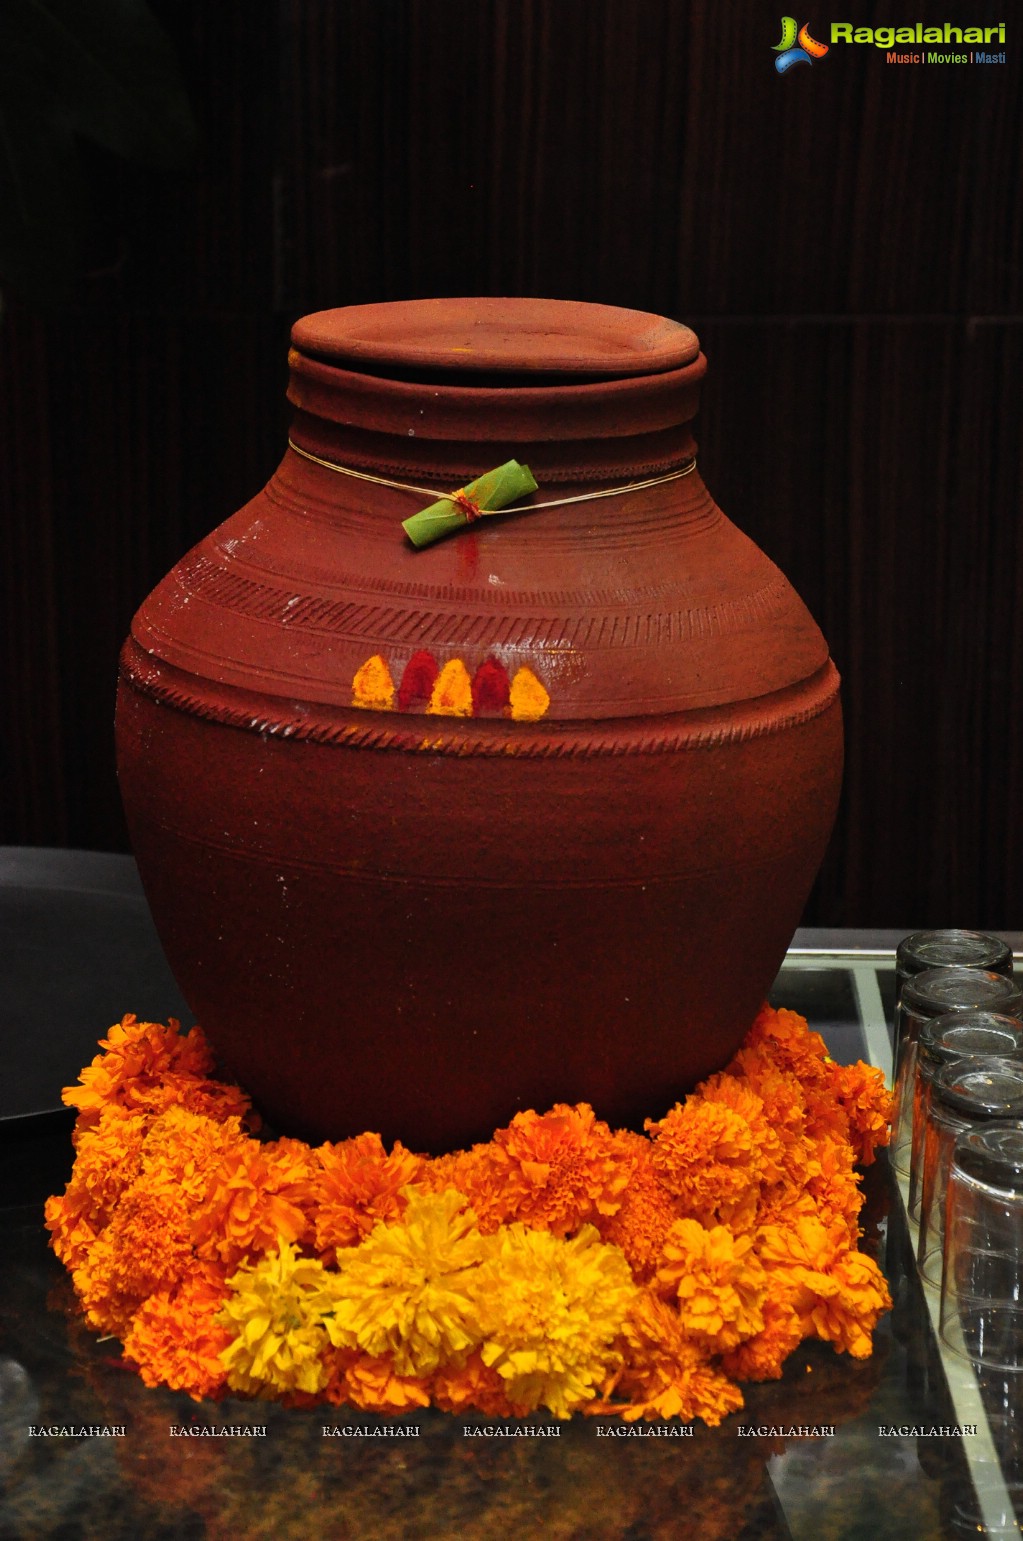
(527, 816)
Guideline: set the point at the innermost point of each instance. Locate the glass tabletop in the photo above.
(902, 1445)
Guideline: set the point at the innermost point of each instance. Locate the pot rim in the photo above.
(516, 336)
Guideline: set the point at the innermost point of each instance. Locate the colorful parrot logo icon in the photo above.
(796, 46)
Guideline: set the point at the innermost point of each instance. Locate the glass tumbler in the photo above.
(947, 949)
(981, 1316)
(944, 1040)
(966, 1095)
(932, 994)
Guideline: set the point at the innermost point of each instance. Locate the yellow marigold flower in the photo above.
(373, 1385)
(718, 1281)
(550, 1312)
(357, 1185)
(137, 1057)
(276, 1314)
(408, 1290)
(704, 1154)
(176, 1340)
(665, 1373)
(258, 1194)
(556, 1170)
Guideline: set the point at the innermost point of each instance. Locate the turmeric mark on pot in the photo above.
(529, 700)
(452, 694)
(373, 687)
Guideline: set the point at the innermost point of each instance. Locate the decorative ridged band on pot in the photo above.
(526, 816)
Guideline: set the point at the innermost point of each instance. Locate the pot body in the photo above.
(527, 816)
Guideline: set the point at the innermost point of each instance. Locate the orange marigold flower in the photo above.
(479, 1175)
(718, 1281)
(705, 1155)
(798, 1240)
(108, 1305)
(71, 1232)
(798, 1256)
(108, 1160)
(473, 1384)
(665, 1373)
(557, 1170)
(763, 1356)
(781, 1092)
(847, 1313)
(136, 1058)
(188, 1147)
(835, 1188)
(175, 1339)
(259, 1195)
(217, 1100)
(371, 1384)
(736, 1093)
(357, 1185)
(782, 1204)
(144, 1249)
(861, 1093)
(147, 1239)
(646, 1214)
(826, 1120)
(786, 1039)
(739, 1218)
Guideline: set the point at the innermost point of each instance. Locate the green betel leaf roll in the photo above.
(493, 490)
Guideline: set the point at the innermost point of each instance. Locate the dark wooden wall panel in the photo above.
(846, 239)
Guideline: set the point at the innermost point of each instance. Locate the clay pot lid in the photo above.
(499, 337)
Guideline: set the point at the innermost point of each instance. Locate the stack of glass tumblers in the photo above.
(957, 1135)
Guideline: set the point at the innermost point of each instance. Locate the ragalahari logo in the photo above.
(796, 46)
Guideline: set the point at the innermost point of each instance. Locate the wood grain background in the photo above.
(845, 239)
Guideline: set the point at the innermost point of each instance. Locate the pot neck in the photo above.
(436, 432)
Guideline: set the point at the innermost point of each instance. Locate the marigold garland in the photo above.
(560, 1265)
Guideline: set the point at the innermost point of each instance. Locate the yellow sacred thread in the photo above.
(513, 508)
